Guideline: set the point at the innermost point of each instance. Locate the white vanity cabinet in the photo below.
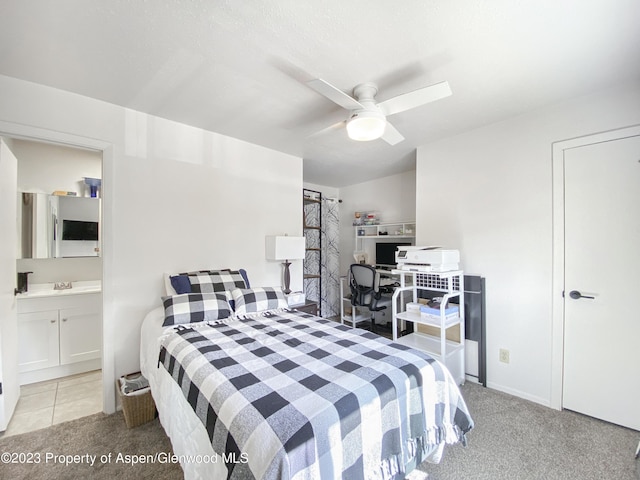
(58, 335)
(38, 343)
(80, 332)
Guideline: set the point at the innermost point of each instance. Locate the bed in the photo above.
(252, 389)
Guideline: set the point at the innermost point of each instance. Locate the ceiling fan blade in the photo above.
(391, 135)
(416, 98)
(330, 128)
(334, 94)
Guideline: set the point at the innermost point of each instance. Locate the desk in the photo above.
(386, 273)
(388, 278)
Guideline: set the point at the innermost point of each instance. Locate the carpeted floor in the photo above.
(105, 436)
(512, 439)
(517, 439)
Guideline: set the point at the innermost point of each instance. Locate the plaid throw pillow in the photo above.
(216, 281)
(195, 307)
(253, 300)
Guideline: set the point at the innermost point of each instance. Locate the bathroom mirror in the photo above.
(51, 226)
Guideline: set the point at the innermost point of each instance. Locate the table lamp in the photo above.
(285, 248)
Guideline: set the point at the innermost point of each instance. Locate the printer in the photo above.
(427, 259)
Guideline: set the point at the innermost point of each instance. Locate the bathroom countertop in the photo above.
(37, 290)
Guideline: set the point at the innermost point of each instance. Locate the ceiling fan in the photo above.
(367, 119)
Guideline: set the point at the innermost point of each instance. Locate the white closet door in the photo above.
(602, 239)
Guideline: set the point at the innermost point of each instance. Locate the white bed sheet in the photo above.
(188, 436)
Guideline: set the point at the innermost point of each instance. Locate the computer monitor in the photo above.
(386, 253)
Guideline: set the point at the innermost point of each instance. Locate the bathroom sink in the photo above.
(48, 289)
(86, 288)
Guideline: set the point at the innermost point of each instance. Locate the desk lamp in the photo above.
(285, 248)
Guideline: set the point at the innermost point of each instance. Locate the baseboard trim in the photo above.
(59, 371)
(518, 393)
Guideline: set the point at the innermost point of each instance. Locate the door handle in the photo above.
(576, 295)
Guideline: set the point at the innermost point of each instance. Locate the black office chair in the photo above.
(364, 283)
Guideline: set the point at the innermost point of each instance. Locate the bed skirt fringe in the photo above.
(419, 449)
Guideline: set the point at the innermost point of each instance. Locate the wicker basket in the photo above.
(138, 409)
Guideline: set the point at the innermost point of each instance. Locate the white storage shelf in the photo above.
(449, 352)
(430, 344)
(386, 230)
(432, 321)
(399, 230)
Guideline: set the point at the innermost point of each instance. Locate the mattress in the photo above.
(189, 438)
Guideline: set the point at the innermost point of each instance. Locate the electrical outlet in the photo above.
(504, 355)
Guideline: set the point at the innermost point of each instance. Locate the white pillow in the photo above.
(255, 300)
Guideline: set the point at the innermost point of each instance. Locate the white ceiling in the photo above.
(239, 67)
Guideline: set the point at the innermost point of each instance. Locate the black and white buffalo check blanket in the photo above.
(289, 395)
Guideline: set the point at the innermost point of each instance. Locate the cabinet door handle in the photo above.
(64, 319)
(53, 321)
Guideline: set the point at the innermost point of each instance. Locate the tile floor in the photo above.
(55, 401)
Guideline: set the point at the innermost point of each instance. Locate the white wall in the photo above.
(488, 193)
(392, 197)
(44, 168)
(174, 198)
(50, 270)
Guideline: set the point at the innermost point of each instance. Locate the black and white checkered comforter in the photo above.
(289, 395)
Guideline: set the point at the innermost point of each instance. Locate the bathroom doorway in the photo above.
(69, 378)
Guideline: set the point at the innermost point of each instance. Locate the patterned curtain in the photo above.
(330, 265)
(322, 260)
(312, 264)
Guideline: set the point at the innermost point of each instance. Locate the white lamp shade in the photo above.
(366, 125)
(284, 248)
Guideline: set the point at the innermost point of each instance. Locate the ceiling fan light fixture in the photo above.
(365, 125)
